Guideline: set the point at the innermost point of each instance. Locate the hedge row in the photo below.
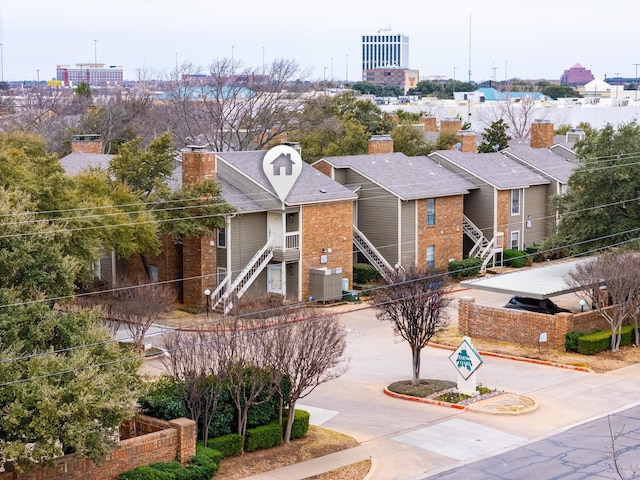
(228, 445)
(364, 273)
(265, 436)
(467, 267)
(596, 342)
(200, 467)
(300, 425)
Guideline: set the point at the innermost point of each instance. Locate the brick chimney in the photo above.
(198, 164)
(430, 123)
(541, 134)
(468, 140)
(198, 253)
(450, 125)
(87, 143)
(380, 144)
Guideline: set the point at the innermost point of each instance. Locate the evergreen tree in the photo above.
(495, 137)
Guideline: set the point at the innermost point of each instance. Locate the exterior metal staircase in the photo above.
(370, 252)
(483, 248)
(227, 292)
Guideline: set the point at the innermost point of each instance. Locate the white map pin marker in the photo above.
(282, 166)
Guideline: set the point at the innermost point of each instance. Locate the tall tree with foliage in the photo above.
(338, 125)
(601, 207)
(193, 210)
(64, 386)
(414, 302)
(495, 137)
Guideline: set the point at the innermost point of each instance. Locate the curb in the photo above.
(425, 400)
(519, 359)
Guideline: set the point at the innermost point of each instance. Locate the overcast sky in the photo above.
(508, 38)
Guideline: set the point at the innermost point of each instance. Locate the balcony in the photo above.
(286, 248)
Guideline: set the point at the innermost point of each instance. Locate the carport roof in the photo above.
(535, 282)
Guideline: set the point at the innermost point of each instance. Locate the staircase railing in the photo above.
(245, 278)
(372, 254)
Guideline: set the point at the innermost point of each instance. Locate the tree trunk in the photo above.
(415, 358)
(145, 264)
(290, 417)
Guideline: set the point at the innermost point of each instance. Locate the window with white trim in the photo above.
(515, 240)
(222, 237)
(431, 211)
(431, 256)
(515, 201)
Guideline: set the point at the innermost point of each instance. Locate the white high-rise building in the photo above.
(385, 50)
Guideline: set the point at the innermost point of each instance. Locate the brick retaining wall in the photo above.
(522, 327)
(157, 441)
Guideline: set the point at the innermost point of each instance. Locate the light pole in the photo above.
(347, 69)
(618, 78)
(207, 293)
(635, 64)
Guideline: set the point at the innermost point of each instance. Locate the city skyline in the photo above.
(495, 39)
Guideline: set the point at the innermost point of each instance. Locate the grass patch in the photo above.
(425, 389)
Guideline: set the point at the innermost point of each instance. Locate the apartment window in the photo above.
(431, 256)
(222, 238)
(515, 201)
(153, 271)
(431, 211)
(515, 240)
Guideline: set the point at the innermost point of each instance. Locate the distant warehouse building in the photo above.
(392, 77)
(95, 74)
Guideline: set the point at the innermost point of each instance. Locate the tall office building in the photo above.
(385, 50)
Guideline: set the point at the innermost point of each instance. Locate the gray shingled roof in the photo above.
(242, 202)
(311, 186)
(545, 161)
(494, 168)
(75, 162)
(407, 177)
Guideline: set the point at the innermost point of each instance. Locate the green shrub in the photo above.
(571, 341)
(145, 473)
(264, 436)
(228, 445)
(171, 468)
(162, 401)
(467, 267)
(210, 453)
(514, 258)
(596, 342)
(200, 468)
(364, 273)
(300, 425)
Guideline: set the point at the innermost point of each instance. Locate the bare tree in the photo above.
(415, 303)
(613, 271)
(309, 351)
(235, 108)
(136, 305)
(252, 379)
(199, 365)
(517, 112)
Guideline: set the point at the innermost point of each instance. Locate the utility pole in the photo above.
(347, 69)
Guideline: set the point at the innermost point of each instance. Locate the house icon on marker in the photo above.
(283, 161)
